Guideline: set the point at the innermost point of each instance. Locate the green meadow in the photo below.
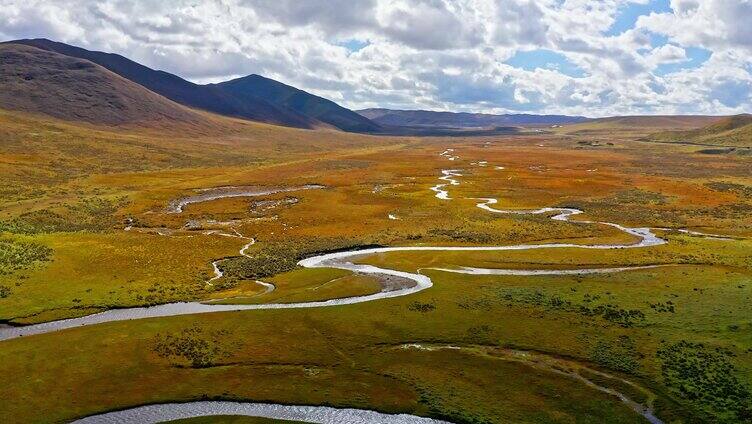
(85, 228)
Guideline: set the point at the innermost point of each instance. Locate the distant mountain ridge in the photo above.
(241, 98)
(426, 118)
(285, 96)
(68, 82)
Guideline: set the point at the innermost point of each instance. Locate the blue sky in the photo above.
(625, 19)
(353, 45)
(696, 56)
(545, 59)
(627, 14)
(593, 58)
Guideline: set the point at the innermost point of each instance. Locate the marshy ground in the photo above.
(469, 349)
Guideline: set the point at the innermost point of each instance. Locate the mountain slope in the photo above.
(300, 101)
(426, 118)
(206, 97)
(733, 131)
(658, 121)
(69, 88)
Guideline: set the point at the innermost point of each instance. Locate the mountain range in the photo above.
(71, 83)
(427, 118)
(240, 98)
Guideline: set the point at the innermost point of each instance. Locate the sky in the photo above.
(576, 57)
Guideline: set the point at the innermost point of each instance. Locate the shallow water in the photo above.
(227, 192)
(521, 272)
(311, 414)
(448, 176)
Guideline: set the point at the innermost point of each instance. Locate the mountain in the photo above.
(253, 97)
(733, 131)
(177, 89)
(288, 97)
(425, 118)
(41, 81)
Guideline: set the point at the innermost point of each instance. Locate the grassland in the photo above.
(71, 190)
(734, 131)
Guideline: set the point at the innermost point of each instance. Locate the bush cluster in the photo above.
(463, 235)
(199, 347)
(421, 307)
(668, 306)
(17, 255)
(93, 214)
(706, 376)
(723, 186)
(610, 312)
(276, 258)
(620, 354)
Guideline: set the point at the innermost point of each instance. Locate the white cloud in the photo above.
(439, 54)
(667, 53)
(714, 24)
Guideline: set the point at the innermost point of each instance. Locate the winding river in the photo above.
(158, 413)
(345, 261)
(339, 260)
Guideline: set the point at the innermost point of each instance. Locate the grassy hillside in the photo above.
(300, 101)
(40, 81)
(657, 121)
(734, 131)
(640, 123)
(41, 156)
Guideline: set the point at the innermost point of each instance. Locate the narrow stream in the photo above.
(216, 193)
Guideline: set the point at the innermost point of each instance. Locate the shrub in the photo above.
(620, 355)
(276, 258)
(16, 255)
(195, 345)
(612, 313)
(421, 307)
(706, 376)
(94, 214)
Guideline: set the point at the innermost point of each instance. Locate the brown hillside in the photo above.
(658, 121)
(728, 124)
(40, 81)
(735, 131)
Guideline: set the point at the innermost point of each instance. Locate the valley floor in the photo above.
(627, 300)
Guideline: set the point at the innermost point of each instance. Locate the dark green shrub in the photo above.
(706, 376)
(17, 255)
(200, 348)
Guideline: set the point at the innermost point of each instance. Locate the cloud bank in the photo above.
(595, 58)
